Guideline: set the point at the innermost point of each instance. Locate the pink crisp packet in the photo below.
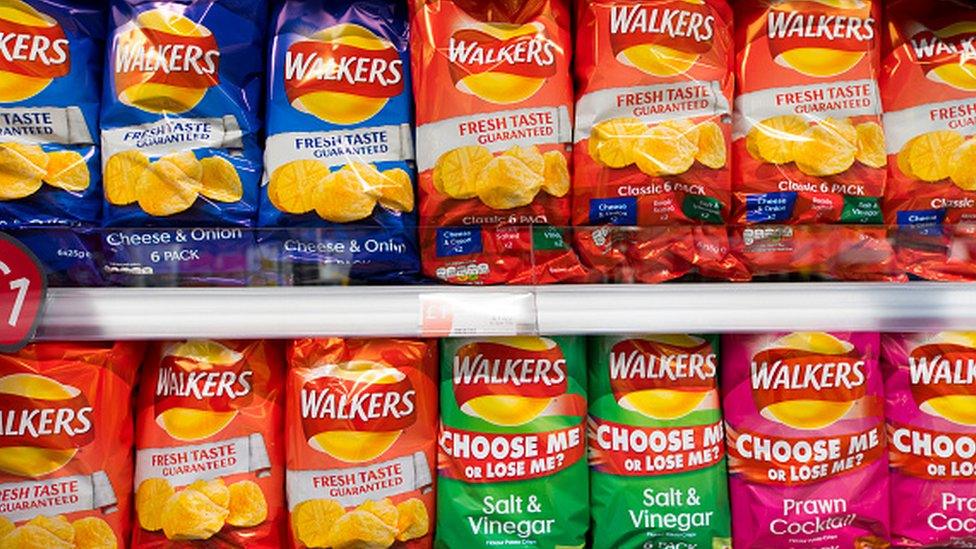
(808, 459)
(930, 383)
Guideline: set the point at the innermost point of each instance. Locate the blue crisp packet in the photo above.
(339, 154)
(180, 118)
(50, 76)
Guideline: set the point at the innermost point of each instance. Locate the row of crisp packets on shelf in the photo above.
(807, 112)
(551, 441)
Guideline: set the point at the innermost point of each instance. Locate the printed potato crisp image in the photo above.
(493, 94)
(209, 460)
(66, 445)
(362, 421)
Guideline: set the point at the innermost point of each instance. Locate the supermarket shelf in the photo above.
(142, 313)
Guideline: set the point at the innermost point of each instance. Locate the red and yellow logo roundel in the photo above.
(509, 381)
(821, 38)
(164, 62)
(34, 52)
(200, 386)
(663, 376)
(943, 377)
(947, 55)
(639, 40)
(502, 63)
(807, 380)
(356, 411)
(344, 74)
(44, 423)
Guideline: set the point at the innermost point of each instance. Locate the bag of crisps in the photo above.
(209, 461)
(494, 129)
(66, 445)
(808, 459)
(809, 147)
(362, 420)
(511, 465)
(929, 95)
(180, 132)
(653, 133)
(49, 83)
(339, 160)
(656, 445)
(930, 386)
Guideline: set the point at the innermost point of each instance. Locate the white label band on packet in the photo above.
(337, 148)
(815, 101)
(400, 475)
(183, 465)
(42, 125)
(25, 500)
(497, 131)
(669, 100)
(904, 125)
(174, 135)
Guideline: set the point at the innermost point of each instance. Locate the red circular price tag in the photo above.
(23, 288)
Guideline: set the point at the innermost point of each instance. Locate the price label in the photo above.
(23, 288)
(482, 314)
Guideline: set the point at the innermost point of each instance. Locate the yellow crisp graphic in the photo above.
(396, 191)
(67, 170)
(360, 529)
(931, 154)
(530, 156)
(29, 536)
(166, 189)
(187, 162)
(506, 183)
(810, 414)
(825, 150)
(94, 533)
(776, 137)
(5, 526)
(842, 127)
(658, 59)
(412, 520)
(189, 514)
(871, 145)
(295, 186)
(904, 158)
(312, 521)
(151, 495)
(664, 151)
(33, 461)
(819, 62)
(962, 169)
(612, 141)
(383, 509)
(712, 148)
(122, 174)
(22, 168)
(685, 127)
(555, 175)
(161, 97)
(456, 172)
(248, 507)
(343, 197)
(220, 180)
(59, 526)
(214, 489)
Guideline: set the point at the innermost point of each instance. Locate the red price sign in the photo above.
(23, 287)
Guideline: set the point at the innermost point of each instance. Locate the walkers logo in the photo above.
(948, 54)
(344, 74)
(820, 38)
(509, 382)
(661, 41)
(43, 423)
(500, 63)
(33, 51)
(943, 377)
(807, 380)
(200, 386)
(164, 62)
(357, 410)
(663, 377)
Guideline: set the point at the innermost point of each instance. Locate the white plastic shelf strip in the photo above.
(156, 313)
